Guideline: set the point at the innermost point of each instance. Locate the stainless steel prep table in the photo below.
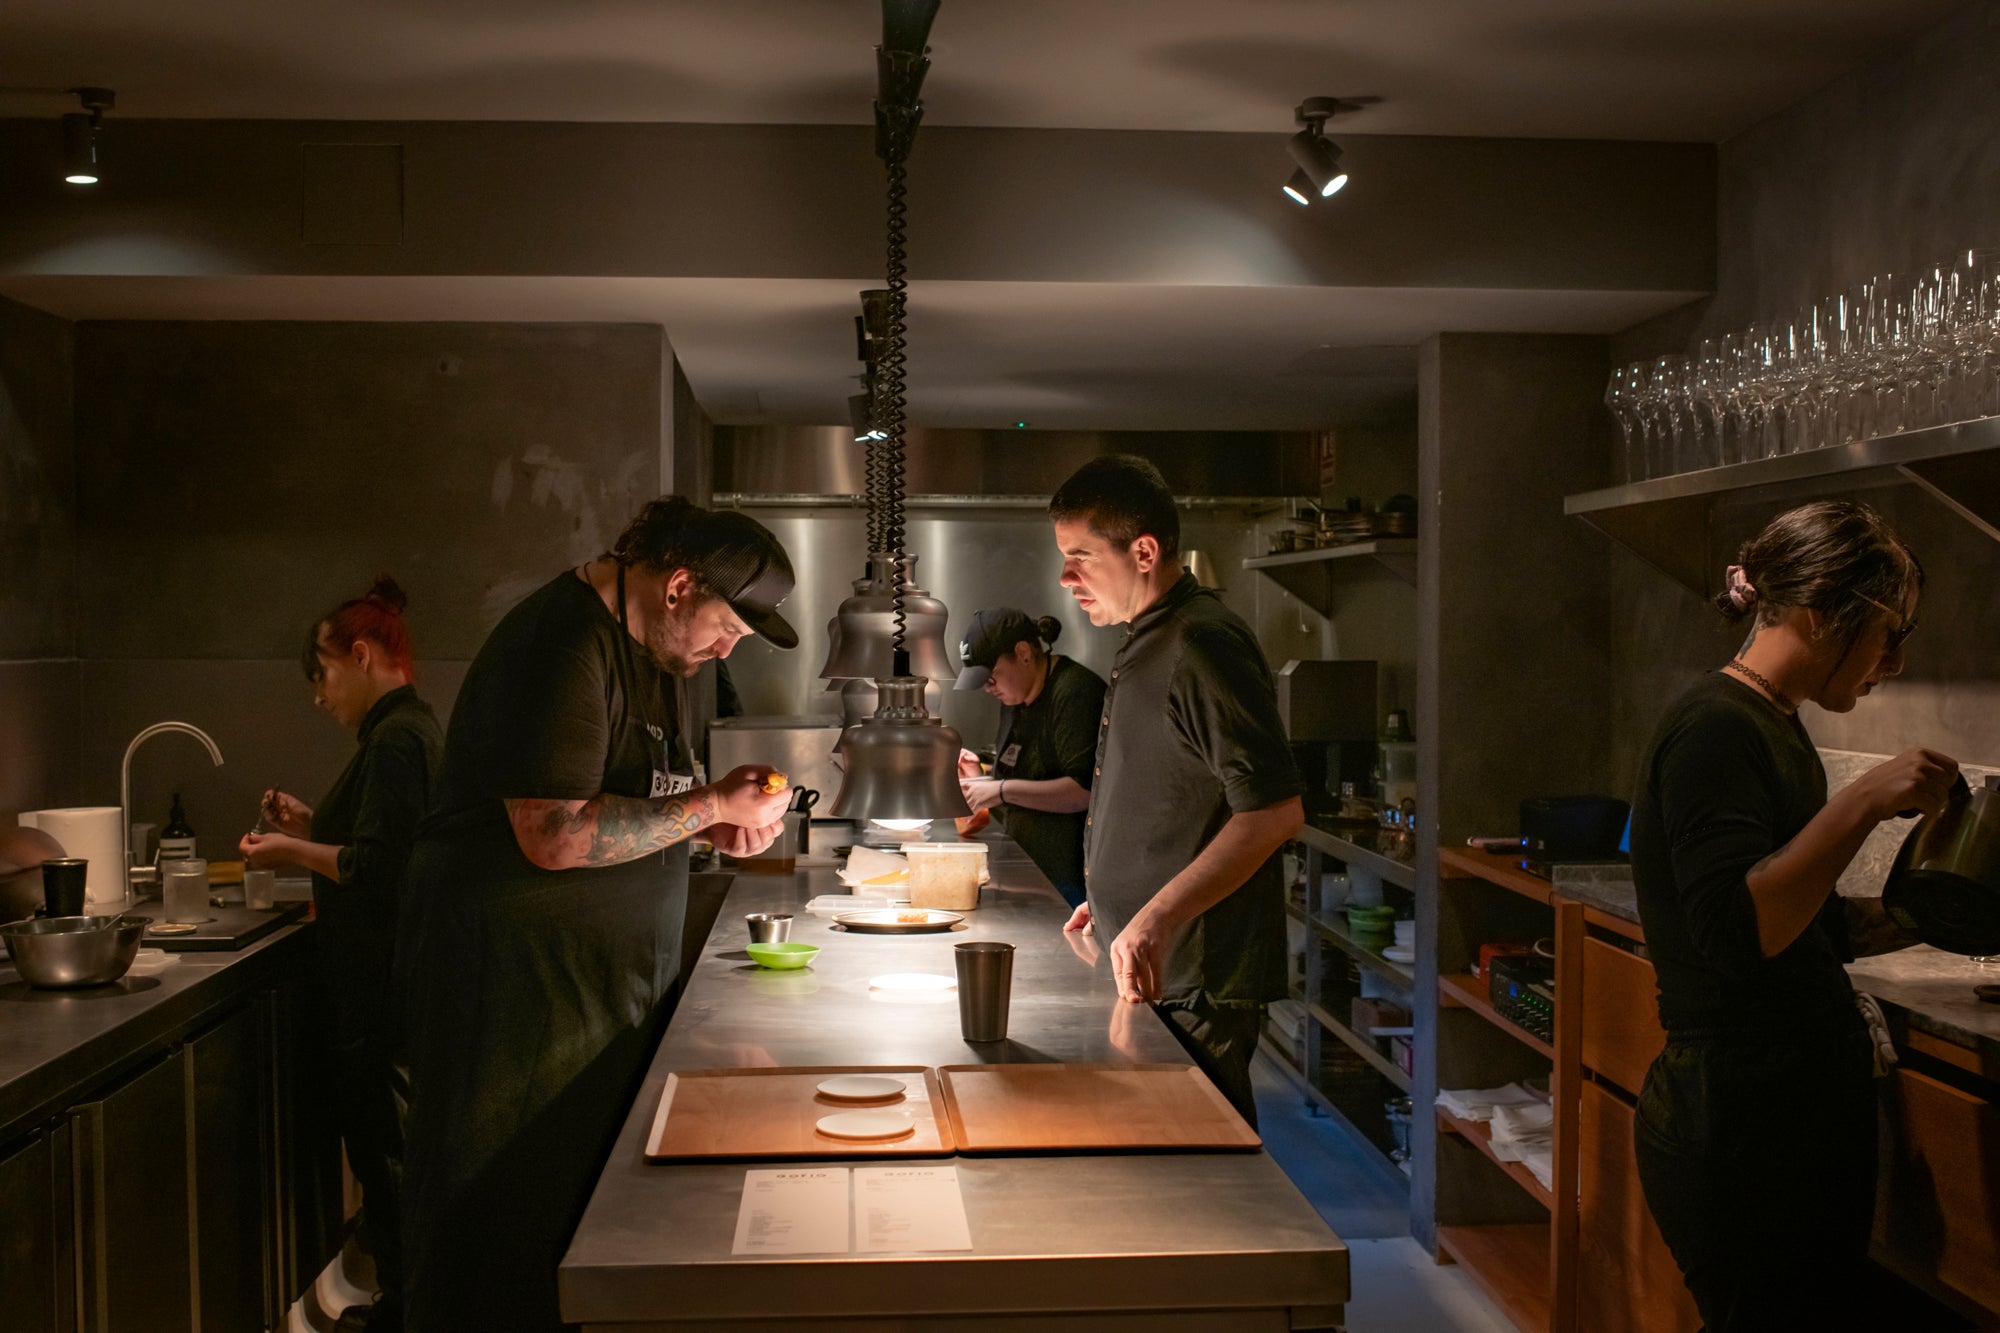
(1204, 1241)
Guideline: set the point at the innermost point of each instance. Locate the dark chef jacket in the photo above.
(1190, 736)
(1054, 736)
(371, 813)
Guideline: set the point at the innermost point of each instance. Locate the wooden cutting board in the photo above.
(1089, 1108)
(773, 1112)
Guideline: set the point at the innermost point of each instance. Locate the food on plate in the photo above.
(912, 918)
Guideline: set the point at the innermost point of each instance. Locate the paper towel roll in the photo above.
(96, 833)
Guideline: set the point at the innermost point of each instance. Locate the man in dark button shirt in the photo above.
(1195, 789)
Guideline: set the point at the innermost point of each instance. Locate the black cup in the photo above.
(63, 878)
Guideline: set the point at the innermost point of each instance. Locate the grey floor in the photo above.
(1398, 1287)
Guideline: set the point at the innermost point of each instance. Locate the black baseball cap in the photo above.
(991, 632)
(745, 566)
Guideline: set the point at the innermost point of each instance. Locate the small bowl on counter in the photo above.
(69, 952)
(783, 956)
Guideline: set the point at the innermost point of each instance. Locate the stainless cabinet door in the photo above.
(134, 1226)
(230, 1070)
(37, 1276)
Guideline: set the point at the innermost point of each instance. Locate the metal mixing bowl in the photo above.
(63, 952)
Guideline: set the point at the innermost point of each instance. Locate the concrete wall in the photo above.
(1888, 167)
(1514, 690)
(237, 480)
(38, 602)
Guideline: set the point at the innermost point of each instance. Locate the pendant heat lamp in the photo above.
(900, 765)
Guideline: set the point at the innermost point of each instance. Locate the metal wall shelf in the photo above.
(1667, 521)
(1311, 576)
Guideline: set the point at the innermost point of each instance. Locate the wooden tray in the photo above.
(1089, 1108)
(772, 1112)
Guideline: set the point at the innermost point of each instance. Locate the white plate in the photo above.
(861, 1088)
(877, 1125)
(884, 921)
(907, 981)
(1396, 955)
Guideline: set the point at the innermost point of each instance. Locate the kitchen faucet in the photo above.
(125, 780)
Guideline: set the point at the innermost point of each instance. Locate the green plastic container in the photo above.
(782, 956)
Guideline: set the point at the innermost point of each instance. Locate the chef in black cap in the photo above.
(1046, 744)
(541, 932)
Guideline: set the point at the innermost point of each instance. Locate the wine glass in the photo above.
(1621, 395)
(1665, 407)
(1708, 395)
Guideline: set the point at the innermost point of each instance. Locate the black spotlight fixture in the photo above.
(1320, 175)
(79, 135)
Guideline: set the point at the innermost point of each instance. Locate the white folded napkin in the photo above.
(1478, 1103)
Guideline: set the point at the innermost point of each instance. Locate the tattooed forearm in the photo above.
(1871, 930)
(606, 830)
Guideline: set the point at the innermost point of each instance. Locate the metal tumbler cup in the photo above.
(63, 880)
(769, 927)
(985, 979)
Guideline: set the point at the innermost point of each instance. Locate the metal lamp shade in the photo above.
(902, 763)
(859, 698)
(862, 643)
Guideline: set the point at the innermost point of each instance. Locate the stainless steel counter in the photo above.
(1205, 1241)
(53, 1042)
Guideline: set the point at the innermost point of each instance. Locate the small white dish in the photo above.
(912, 981)
(879, 1125)
(1399, 955)
(861, 1088)
(153, 960)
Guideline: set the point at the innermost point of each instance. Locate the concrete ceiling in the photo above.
(1082, 354)
(983, 354)
(1700, 70)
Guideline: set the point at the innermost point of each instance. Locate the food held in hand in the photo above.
(775, 783)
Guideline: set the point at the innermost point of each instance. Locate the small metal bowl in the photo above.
(66, 952)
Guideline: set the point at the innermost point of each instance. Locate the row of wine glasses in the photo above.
(1894, 353)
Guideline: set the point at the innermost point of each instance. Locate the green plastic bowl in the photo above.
(782, 956)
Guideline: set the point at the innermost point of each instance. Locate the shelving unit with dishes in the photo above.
(1496, 1218)
(1347, 1064)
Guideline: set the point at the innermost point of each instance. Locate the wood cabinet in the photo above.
(1627, 1281)
(1937, 1210)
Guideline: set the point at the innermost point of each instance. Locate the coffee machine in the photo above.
(1328, 710)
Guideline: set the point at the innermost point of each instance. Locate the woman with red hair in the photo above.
(357, 845)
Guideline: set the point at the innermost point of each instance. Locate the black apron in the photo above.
(536, 1004)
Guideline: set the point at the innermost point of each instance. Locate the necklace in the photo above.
(1778, 696)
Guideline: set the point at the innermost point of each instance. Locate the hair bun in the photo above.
(1049, 628)
(386, 590)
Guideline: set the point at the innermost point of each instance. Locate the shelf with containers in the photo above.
(1345, 1035)
(1515, 1236)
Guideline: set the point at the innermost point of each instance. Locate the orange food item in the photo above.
(973, 822)
(775, 783)
(893, 877)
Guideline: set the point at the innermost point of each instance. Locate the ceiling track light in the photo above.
(1319, 174)
(79, 134)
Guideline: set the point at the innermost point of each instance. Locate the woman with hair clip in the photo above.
(1046, 746)
(1756, 1126)
(356, 843)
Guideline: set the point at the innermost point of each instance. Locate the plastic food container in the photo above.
(945, 874)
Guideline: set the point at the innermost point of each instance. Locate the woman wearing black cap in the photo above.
(1047, 741)
(541, 935)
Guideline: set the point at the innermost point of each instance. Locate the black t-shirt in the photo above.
(561, 704)
(1190, 736)
(1729, 780)
(1054, 736)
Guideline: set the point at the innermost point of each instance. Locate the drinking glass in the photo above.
(184, 890)
(1924, 357)
(1665, 405)
(1708, 395)
(1621, 395)
(1885, 319)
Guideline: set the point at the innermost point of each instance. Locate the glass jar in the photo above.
(184, 890)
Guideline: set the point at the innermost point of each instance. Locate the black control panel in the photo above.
(1523, 991)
